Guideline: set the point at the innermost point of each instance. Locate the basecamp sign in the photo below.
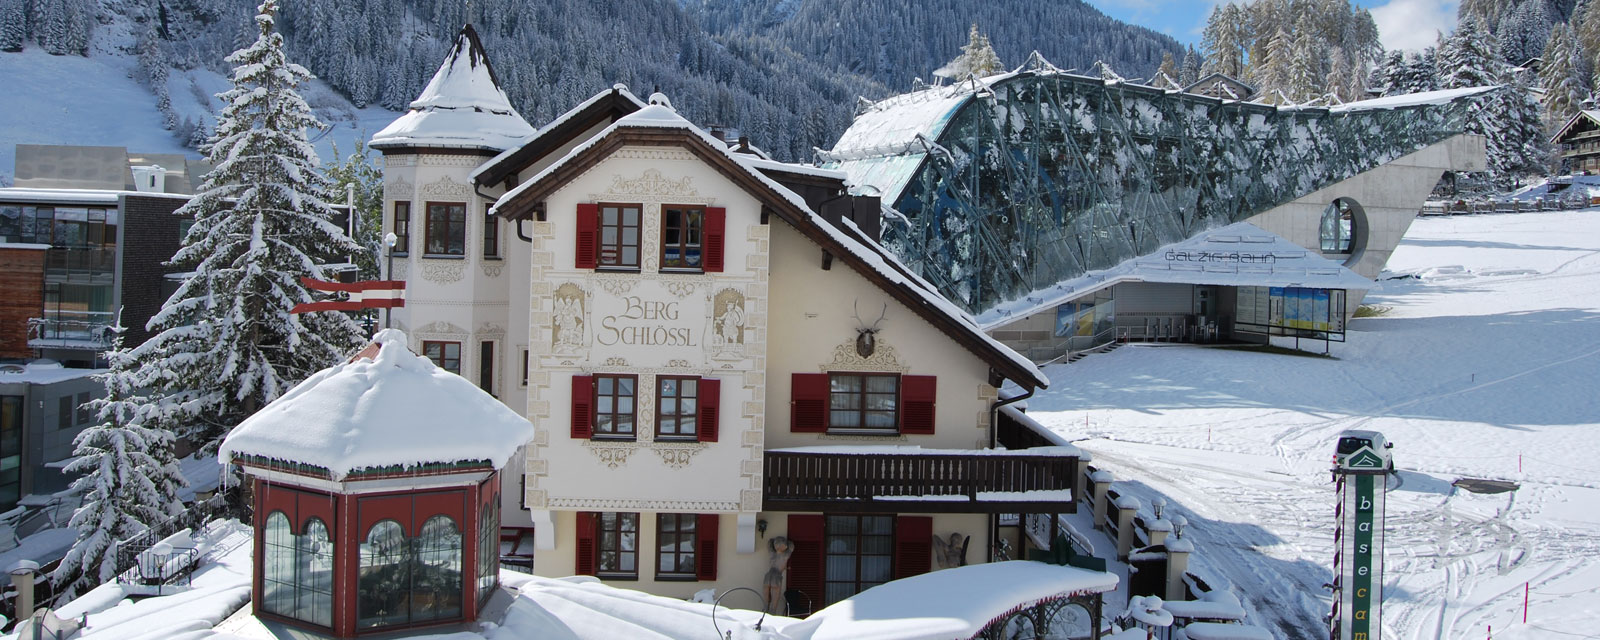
(1361, 562)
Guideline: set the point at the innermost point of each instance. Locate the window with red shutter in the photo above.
(917, 396)
(913, 546)
(808, 404)
(716, 224)
(588, 242)
(582, 407)
(805, 566)
(705, 531)
(710, 406)
(585, 546)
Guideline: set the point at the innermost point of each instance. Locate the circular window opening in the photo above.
(1342, 222)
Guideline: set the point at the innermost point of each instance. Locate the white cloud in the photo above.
(1414, 24)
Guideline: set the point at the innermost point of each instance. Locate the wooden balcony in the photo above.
(915, 480)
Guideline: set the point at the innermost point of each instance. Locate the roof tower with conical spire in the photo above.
(463, 107)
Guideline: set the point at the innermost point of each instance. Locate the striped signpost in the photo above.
(372, 294)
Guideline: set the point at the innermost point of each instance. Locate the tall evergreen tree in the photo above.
(1189, 72)
(226, 343)
(1167, 72)
(13, 24)
(1564, 85)
(1225, 40)
(130, 478)
(977, 58)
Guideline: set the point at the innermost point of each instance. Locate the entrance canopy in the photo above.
(1240, 254)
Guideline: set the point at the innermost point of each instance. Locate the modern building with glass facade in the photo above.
(1022, 193)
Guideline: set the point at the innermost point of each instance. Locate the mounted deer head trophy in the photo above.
(867, 336)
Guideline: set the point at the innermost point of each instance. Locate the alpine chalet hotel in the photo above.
(714, 350)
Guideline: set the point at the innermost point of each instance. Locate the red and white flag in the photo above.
(372, 294)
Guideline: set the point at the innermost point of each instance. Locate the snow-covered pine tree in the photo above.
(225, 343)
(1225, 39)
(1306, 79)
(977, 58)
(1275, 71)
(1189, 72)
(153, 66)
(13, 24)
(1466, 59)
(1564, 87)
(130, 478)
(1523, 34)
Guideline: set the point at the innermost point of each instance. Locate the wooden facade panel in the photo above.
(22, 280)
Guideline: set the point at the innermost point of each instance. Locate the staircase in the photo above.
(1105, 348)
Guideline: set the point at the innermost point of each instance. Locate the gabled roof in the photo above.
(463, 107)
(657, 125)
(383, 409)
(1213, 79)
(1592, 116)
(602, 107)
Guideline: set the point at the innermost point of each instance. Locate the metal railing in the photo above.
(1439, 207)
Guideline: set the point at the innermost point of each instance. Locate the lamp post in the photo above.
(389, 241)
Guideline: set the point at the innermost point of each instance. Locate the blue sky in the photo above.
(1402, 24)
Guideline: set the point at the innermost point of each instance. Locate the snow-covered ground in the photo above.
(1486, 365)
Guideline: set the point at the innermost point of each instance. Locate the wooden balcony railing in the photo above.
(956, 482)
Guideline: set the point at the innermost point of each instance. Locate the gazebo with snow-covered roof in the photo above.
(376, 494)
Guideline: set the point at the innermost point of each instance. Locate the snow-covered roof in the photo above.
(394, 408)
(42, 372)
(868, 255)
(62, 196)
(1442, 96)
(463, 106)
(1239, 254)
(618, 91)
(1593, 116)
(949, 603)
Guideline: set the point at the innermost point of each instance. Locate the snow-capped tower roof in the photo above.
(387, 408)
(463, 107)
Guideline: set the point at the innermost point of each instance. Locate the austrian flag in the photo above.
(373, 294)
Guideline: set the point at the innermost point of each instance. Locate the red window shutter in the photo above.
(586, 536)
(805, 566)
(917, 395)
(808, 404)
(716, 224)
(710, 406)
(582, 407)
(913, 546)
(705, 532)
(588, 249)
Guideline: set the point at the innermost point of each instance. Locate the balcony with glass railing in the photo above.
(72, 330)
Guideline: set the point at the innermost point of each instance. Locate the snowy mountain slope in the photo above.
(1485, 367)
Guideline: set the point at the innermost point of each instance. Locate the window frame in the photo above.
(400, 225)
(612, 433)
(524, 383)
(699, 231)
(600, 547)
(1341, 241)
(449, 229)
(491, 234)
(693, 574)
(486, 366)
(678, 415)
(443, 359)
(618, 247)
(828, 533)
(65, 407)
(861, 411)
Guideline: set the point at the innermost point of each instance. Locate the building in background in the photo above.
(1579, 143)
(41, 412)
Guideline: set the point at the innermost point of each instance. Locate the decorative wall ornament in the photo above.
(492, 268)
(402, 269)
(615, 284)
(884, 358)
(615, 362)
(682, 288)
(677, 454)
(399, 189)
(652, 183)
(611, 455)
(445, 187)
(867, 335)
(441, 327)
(567, 318)
(728, 323)
(443, 271)
(450, 160)
(491, 331)
(678, 364)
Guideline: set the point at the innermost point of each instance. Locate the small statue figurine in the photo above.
(772, 585)
(951, 554)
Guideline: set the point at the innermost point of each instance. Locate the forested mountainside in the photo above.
(785, 72)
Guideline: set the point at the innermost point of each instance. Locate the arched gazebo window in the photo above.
(436, 578)
(488, 547)
(298, 571)
(314, 575)
(384, 581)
(277, 565)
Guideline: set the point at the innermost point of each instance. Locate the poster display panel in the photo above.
(1291, 311)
